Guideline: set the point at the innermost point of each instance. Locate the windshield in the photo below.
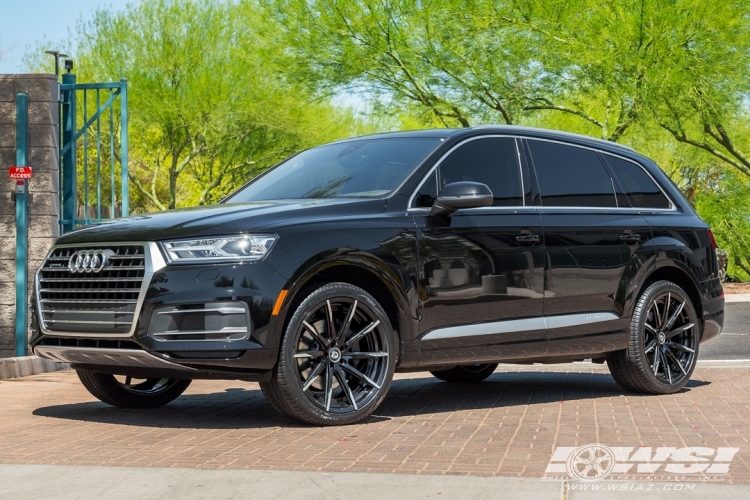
(367, 168)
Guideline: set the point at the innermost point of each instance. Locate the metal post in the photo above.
(124, 146)
(22, 225)
(68, 170)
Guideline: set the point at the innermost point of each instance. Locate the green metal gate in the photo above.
(93, 152)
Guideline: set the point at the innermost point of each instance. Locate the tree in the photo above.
(208, 105)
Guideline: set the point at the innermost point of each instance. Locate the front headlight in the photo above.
(246, 247)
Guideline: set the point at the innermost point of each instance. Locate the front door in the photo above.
(482, 269)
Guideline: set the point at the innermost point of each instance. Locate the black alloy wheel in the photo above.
(466, 373)
(130, 392)
(337, 358)
(665, 337)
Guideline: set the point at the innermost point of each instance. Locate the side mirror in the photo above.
(462, 195)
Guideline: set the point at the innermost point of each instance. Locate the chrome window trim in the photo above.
(153, 260)
(519, 325)
(672, 205)
(437, 164)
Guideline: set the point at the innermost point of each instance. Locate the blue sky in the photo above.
(23, 22)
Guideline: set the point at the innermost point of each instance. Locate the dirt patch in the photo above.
(736, 287)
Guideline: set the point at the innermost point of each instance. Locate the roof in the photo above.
(504, 129)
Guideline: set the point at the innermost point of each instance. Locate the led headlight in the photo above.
(246, 247)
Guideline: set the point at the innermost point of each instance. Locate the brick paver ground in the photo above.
(508, 425)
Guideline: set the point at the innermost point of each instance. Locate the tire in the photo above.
(665, 326)
(466, 373)
(147, 393)
(325, 379)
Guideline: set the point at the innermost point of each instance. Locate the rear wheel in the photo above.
(129, 392)
(336, 360)
(466, 373)
(664, 341)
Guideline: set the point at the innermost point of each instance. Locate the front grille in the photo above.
(91, 302)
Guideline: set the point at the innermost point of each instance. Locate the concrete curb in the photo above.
(24, 366)
(736, 297)
(65, 482)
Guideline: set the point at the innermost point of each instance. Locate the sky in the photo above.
(23, 22)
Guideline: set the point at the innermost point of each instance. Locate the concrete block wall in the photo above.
(44, 157)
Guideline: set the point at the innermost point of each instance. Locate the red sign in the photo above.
(19, 172)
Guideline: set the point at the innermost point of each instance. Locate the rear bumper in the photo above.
(713, 318)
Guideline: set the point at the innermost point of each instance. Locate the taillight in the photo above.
(711, 236)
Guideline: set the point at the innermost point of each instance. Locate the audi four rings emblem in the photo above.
(87, 261)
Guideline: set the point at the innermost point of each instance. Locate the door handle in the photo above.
(526, 239)
(630, 237)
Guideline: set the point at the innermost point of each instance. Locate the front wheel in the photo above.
(336, 360)
(664, 340)
(129, 392)
(466, 373)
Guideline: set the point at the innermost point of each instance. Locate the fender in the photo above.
(392, 275)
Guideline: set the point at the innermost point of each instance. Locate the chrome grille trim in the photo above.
(152, 261)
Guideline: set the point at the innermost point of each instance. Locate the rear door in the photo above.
(593, 243)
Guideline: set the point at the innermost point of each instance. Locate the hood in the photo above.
(215, 220)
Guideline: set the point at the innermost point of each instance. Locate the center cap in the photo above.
(661, 338)
(334, 354)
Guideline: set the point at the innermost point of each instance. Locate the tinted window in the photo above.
(367, 168)
(492, 161)
(640, 189)
(571, 177)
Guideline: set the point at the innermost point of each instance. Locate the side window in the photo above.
(571, 177)
(427, 192)
(640, 189)
(492, 161)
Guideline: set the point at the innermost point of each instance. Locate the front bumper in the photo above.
(172, 289)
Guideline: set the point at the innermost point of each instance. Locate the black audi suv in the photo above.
(447, 251)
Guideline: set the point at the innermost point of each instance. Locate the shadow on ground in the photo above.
(237, 408)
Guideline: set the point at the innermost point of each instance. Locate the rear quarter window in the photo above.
(639, 187)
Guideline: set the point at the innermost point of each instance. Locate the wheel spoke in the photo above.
(656, 314)
(675, 345)
(347, 324)
(313, 375)
(657, 360)
(331, 324)
(653, 330)
(308, 354)
(663, 320)
(364, 332)
(675, 360)
(360, 375)
(341, 376)
(674, 316)
(356, 355)
(650, 346)
(679, 330)
(329, 386)
(665, 365)
(128, 380)
(323, 342)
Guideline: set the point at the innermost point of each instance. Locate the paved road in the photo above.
(734, 341)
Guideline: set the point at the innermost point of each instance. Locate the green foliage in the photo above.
(209, 105)
(727, 210)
